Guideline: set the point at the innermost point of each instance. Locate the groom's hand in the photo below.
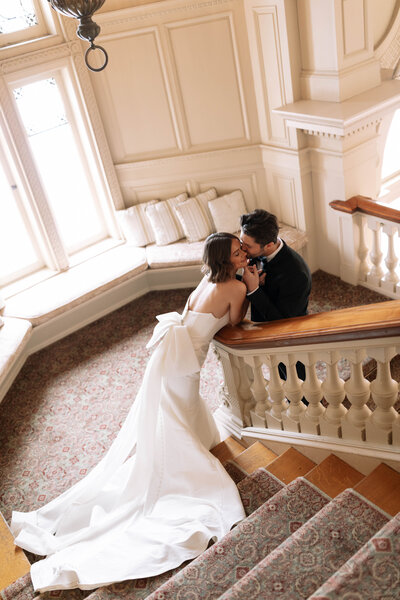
(251, 278)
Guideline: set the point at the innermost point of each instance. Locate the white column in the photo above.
(357, 389)
(333, 390)
(337, 49)
(376, 273)
(260, 394)
(384, 392)
(390, 279)
(309, 420)
(293, 391)
(276, 395)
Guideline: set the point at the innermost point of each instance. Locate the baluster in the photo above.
(230, 389)
(333, 390)
(276, 394)
(244, 386)
(384, 392)
(357, 389)
(259, 393)
(363, 251)
(390, 278)
(376, 272)
(293, 391)
(309, 421)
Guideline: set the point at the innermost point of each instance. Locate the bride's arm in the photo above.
(238, 302)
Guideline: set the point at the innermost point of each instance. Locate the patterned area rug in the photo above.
(69, 400)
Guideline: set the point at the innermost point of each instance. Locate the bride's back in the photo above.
(212, 298)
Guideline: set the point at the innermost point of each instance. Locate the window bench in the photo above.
(70, 300)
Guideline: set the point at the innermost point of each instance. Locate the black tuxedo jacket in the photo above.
(286, 290)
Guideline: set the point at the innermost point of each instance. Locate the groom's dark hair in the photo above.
(217, 256)
(260, 225)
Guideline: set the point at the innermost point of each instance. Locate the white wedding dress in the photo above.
(158, 496)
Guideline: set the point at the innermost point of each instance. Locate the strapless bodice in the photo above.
(202, 327)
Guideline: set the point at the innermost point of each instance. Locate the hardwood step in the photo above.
(382, 487)
(13, 562)
(228, 449)
(333, 475)
(289, 465)
(254, 457)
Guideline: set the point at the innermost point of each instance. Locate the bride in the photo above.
(158, 496)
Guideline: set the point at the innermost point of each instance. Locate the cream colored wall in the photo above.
(188, 96)
(189, 100)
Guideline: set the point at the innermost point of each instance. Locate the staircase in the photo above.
(316, 531)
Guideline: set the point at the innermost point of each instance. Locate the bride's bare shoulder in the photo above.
(235, 286)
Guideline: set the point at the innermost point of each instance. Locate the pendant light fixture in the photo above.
(87, 30)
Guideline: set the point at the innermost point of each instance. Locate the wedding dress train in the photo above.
(158, 496)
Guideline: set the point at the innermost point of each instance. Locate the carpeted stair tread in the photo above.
(373, 573)
(257, 488)
(235, 471)
(314, 552)
(382, 487)
(254, 457)
(216, 570)
(333, 475)
(228, 449)
(13, 562)
(290, 465)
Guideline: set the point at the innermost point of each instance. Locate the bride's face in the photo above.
(238, 257)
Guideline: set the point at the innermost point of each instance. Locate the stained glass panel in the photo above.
(16, 15)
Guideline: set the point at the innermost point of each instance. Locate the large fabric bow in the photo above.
(178, 355)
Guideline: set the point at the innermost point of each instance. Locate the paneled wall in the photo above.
(187, 99)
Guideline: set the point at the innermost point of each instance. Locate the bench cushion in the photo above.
(179, 254)
(183, 253)
(66, 290)
(14, 335)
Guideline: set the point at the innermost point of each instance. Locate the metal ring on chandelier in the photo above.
(94, 47)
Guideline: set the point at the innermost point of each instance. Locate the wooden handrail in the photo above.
(367, 206)
(380, 320)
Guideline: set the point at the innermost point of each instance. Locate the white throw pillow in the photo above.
(204, 198)
(164, 223)
(172, 202)
(195, 222)
(135, 225)
(226, 211)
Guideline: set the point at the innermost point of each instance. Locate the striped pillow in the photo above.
(164, 223)
(172, 202)
(204, 198)
(135, 225)
(195, 222)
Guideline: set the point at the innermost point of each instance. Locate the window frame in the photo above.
(18, 146)
(29, 33)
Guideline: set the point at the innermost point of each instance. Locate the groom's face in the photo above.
(250, 246)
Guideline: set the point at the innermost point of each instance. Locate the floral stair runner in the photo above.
(373, 572)
(313, 552)
(214, 572)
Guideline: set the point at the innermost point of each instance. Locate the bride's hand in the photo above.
(251, 278)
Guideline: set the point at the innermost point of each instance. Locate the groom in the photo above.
(278, 279)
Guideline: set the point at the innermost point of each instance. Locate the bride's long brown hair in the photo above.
(217, 256)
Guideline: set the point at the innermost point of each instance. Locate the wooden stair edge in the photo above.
(228, 449)
(13, 561)
(382, 488)
(255, 456)
(333, 475)
(290, 465)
